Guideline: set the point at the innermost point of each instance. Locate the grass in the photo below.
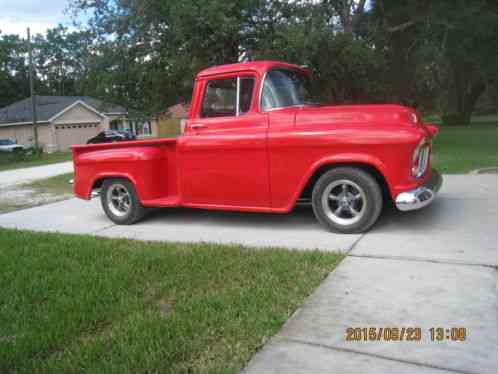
(84, 304)
(482, 119)
(10, 161)
(54, 185)
(462, 149)
(7, 207)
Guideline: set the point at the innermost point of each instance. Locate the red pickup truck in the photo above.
(253, 142)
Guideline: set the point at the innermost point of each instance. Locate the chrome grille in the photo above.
(423, 160)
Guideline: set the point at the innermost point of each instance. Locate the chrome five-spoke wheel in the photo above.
(347, 200)
(118, 200)
(344, 202)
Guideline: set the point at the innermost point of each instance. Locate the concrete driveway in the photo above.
(17, 176)
(433, 268)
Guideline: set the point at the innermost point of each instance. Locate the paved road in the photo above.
(18, 176)
(431, 268)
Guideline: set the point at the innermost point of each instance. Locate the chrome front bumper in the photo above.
(421, 196)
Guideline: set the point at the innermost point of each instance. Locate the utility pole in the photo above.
(32, 89)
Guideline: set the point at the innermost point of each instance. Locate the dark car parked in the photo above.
(127, 134)
(107, 137)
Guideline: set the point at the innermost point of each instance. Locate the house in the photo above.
(178, 111)
(170, 121)
(66, 120)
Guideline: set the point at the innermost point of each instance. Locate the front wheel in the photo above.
(347, 200)
(120, 201)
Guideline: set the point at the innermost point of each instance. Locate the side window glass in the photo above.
(220, 98)
(228, 97)
(246, 87)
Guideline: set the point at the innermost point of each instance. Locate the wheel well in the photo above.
(99, 182)
(308, 189)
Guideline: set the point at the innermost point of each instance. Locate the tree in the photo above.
(447, 48)
(14, 72)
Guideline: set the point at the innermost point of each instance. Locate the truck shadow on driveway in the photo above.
(302, 217)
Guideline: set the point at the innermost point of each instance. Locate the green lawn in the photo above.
(84, 304)
(462, 149)
(54, 185)
(486, 119)
(10, 161)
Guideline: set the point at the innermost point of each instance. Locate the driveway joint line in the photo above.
(349, 350)
(419, 259)
(103, 229)
(348, 251)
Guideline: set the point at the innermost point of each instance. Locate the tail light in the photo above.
(420, 159)
(413, 118)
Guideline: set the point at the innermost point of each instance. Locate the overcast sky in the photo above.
(17, 15)
(39, 15)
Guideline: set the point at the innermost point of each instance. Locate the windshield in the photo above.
(284, 88)
(7, 142)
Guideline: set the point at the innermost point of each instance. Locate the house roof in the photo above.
(49, 106)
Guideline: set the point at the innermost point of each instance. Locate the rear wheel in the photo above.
(120, 201)
(347, 200)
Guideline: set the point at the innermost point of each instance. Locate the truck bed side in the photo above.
(149, 164)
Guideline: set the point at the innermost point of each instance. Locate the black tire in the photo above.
(351, 209)
(134, 212)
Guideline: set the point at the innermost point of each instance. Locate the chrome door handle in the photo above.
(197, 126)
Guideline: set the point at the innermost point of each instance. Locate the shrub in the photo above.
(20, 155)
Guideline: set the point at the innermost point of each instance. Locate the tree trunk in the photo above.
(467, 89)
(475, 92)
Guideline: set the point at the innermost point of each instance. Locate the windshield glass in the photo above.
(7, 142)
(284, 88)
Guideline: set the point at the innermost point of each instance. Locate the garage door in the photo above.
(67, 135)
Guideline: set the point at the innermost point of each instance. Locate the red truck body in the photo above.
(263, 160)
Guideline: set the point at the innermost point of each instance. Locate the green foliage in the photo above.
(441, 53)
(144, 54)
(14, 72)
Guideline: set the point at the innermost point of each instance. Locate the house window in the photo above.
(147, 130)
(143, 128)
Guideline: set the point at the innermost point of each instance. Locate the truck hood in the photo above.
(358, 114)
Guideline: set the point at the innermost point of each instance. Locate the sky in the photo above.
(39, 15)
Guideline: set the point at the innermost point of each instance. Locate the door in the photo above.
(70, 134)
(224, 156)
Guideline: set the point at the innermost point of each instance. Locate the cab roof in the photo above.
(257, 66)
